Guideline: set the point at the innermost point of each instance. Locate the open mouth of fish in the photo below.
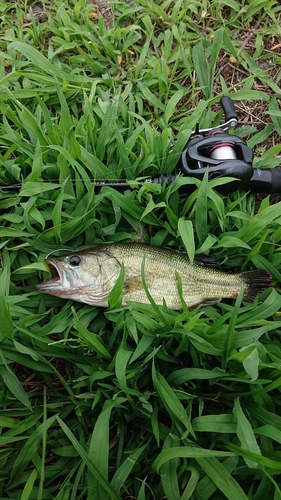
(54, 272)
(55, 280)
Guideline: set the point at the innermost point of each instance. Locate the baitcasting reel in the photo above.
(226, 155)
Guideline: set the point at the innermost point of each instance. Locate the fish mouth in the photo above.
(54, 272)
(56, 280)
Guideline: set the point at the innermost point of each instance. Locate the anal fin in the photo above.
(207, 302)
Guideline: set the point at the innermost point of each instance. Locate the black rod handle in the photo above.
(265, 181)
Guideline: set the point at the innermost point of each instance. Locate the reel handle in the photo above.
(229, 111)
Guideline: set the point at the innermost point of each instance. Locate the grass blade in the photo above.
(92, 339)
(222, 479)
(170, 401)
(6, 322)
(91, 466)
(245, 433)
(186, 232)
(124, 470)
(187, 452)
(27, 490)
(12, 383)
(99, 453)
(201, 68)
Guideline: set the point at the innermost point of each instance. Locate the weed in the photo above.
(141, 402)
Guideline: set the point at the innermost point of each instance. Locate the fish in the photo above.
(88, 275)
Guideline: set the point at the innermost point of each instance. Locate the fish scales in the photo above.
(88, 275)
(161, 269)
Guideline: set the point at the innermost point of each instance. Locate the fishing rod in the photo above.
(213, 149)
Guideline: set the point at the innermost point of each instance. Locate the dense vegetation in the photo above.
(141, 402)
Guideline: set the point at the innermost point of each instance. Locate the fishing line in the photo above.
(58, 250)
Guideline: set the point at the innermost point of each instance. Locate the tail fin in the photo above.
(255, 282)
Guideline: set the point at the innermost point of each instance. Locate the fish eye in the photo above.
(74, 260)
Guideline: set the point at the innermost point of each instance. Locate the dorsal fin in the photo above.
(207, 260)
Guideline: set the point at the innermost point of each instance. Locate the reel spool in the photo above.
(222, 151)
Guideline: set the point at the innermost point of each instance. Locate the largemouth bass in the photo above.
(88, 275)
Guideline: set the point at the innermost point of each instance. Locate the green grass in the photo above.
(141, 402)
